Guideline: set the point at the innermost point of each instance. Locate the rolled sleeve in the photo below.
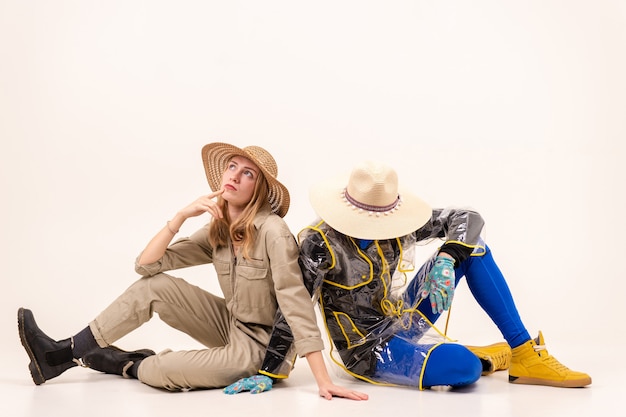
(185, 252)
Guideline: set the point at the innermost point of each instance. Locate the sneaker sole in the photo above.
(33, 366)
(573, 383)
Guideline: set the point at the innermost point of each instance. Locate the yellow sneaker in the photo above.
(494, 357)
(532, 364)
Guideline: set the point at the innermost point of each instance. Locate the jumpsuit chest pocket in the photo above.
(253, 287)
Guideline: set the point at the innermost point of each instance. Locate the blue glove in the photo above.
(439, 285)
(254, 384)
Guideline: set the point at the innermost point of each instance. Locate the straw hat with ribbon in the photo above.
(215, 157)
(368, 204)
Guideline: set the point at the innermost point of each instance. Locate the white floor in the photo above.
(81, 392)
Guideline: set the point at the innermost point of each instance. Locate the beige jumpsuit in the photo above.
(236, 328)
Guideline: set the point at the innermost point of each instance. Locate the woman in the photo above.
(256, 260)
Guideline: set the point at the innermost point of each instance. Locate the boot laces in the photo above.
(549, 359)
(540, 348)
(500, 360)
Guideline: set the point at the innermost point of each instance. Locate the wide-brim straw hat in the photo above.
(369, 204)
(215, 157)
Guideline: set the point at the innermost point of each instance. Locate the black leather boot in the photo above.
(113, 360)
(48, 358)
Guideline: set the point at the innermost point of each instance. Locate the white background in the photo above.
(513, 108)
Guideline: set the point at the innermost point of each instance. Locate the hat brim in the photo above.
(327, 200)
(215, 158)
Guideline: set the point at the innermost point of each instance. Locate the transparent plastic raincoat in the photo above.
(370, 298)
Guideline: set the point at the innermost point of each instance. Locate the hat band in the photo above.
(367, 207)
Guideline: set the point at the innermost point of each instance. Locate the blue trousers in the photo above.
(400, 361)
(453, 364)
(490, 290)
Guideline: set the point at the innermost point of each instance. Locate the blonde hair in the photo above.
(242, 231)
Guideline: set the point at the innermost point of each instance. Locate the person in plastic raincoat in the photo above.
(352, 261)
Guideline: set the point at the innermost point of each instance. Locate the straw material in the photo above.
(369, 204)
(215, 158)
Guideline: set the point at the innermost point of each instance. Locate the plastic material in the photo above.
(371, 300)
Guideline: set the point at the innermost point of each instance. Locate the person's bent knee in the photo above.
(451, 364)
(159, 287)
(158, 282)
